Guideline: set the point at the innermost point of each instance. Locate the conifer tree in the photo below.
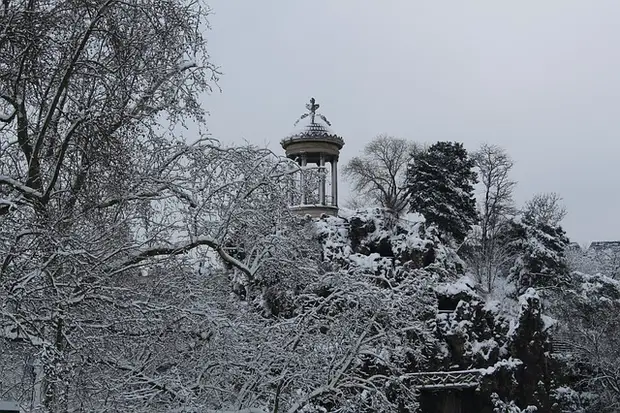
(441, 183)
(539, 251)
(538, 243)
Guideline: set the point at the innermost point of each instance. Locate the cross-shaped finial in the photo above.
(312, 107)
(312, 112)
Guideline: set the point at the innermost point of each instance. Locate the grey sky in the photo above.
(539, 78)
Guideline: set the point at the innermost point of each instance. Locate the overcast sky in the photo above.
(539, 78)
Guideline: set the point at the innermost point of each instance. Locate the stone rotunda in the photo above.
(315, 149)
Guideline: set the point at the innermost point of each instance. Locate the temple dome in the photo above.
(313, 132)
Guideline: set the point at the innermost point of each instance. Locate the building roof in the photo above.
(313, 130)
(604, 245)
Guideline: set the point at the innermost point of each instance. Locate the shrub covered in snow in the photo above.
(449, 325)
(588, 313)
(502, 407)
(375, 239)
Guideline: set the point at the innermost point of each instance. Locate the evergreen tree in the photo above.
(539, 251)
(441, 183)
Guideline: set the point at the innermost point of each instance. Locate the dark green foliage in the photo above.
(531, 345)
(475, 334)
(359, 229)
(441, 187)
(538, 249)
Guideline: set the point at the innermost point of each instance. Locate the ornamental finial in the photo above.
(312, 112)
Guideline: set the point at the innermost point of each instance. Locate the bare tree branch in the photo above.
(380, 173)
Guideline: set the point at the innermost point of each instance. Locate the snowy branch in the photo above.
(26, 190)
(61, 157)
(181, 248)
(64, 83)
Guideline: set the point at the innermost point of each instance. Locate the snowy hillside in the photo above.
(457, 329)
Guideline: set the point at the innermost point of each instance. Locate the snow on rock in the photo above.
(529, 295)
(462, 285)
(387, 240)
(548, 321)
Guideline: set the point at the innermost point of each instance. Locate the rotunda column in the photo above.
(304, 162)
(335, 182)
(322, 177)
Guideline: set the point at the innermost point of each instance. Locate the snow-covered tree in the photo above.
(493, 166)
(100, 206)
(440, 183)
(531, 344)
(487, 256)
(538, 252)
(605, 261)
(500, 406)
(545, 208)
(108, 291)
(588, 311)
